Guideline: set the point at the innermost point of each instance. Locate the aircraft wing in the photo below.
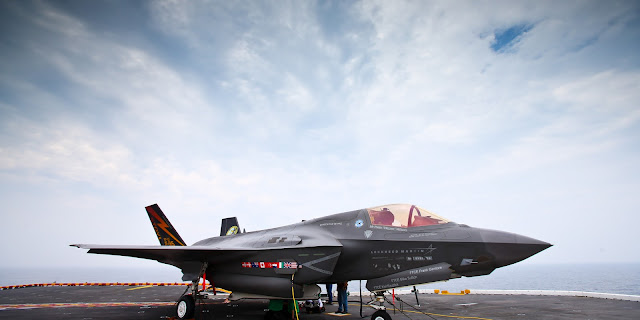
(173, 255)
(315, 249)
(190, 258)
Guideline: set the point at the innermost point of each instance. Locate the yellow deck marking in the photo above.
(223, 290)
(428, 313)
(136, 288)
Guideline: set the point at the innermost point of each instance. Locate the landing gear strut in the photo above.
(381, 313)
(186, 306)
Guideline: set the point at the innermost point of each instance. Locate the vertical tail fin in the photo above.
(229, 226)
(167, 234)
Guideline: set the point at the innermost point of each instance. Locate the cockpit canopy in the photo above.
(403, 216)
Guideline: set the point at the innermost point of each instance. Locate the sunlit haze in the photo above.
(522, 116)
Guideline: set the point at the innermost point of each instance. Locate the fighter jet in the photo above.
(389, 246)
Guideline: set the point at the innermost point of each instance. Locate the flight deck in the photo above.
(158, 302)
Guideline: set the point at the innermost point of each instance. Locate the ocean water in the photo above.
(605, 278)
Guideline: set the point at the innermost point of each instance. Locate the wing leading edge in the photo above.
(173, 255)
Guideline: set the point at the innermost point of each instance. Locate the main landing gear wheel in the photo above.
(186, 307)
(380, 315)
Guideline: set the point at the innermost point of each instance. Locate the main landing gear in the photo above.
(186, 306)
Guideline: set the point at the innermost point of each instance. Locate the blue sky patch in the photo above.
(506, 38)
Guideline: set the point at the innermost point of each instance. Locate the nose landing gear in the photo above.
(380, 315)
(381, 311)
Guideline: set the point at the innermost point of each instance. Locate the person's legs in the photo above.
(339, 300)
(329, 293)
(344, 301)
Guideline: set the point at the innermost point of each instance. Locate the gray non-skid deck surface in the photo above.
(479, 306)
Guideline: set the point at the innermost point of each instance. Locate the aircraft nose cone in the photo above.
(508, 248)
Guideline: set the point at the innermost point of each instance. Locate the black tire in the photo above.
(380, 315)
(186, 307)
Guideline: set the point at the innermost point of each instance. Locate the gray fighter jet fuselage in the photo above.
(389, 246)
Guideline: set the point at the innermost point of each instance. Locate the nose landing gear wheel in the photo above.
(186, 307)
(380, 315)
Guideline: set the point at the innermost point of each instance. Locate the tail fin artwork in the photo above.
(167, 235)
(229, 226)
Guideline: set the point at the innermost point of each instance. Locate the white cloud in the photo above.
(604, 92)
(66, 152)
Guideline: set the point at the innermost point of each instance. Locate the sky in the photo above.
(516, 116)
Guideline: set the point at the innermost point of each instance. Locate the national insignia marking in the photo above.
(270, 265)
(359, 223)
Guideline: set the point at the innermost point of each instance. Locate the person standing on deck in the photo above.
(329, 293)
(342, 297)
